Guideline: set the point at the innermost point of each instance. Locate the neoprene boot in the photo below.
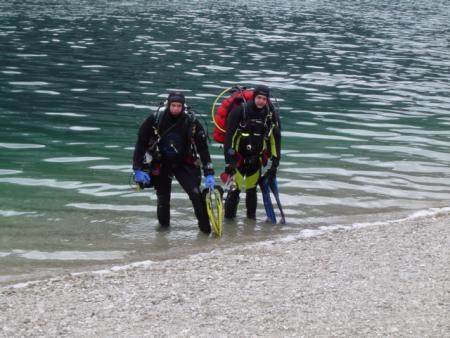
(231, 203)
(200, 210)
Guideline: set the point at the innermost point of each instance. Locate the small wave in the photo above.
(28, 83)
(137, 106)
(32, 55)
(429, 213)
(194, 73)
(66, 114)
(70, 255)
(184, 90)
(212, 86)
(9, 172)
(416, 131)
(432, 213)
(216, 68)
(306, 123)
(99, 189)
(319, 136)
(317, 155)
(121, 168)
(112, 207)
(12, 213)
(94, 66)
(11, 72)
(80, 128)
(364, 132)
(402, 166)
(49, 92)
(116, 268)
(417, 151)
(93, 189)
(21, 146)
(273, 72)
(74, 159)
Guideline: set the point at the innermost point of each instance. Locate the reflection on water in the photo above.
(364, 108)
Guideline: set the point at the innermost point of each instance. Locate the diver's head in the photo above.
(261, 95)
(175, 103)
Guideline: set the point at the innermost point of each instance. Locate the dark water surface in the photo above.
(364, 93)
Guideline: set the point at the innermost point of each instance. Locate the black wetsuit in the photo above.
(175, 157)
(247, 129)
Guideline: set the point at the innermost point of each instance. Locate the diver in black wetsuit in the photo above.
(176, 141)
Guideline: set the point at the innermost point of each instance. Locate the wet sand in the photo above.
(389, 280)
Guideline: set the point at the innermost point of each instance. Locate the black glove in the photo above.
(231, 158)
(271, 171)
(274, 166)
(230, 169)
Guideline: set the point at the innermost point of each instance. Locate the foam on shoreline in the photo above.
(432, 213)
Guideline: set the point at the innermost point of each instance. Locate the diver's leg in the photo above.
(163, 183)
(251, 181)
(250, 203)
(232, 199)
(231, 203)
(189, 178)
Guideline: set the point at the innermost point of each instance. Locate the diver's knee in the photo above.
(195, 194)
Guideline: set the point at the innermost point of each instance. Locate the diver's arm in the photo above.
(144, 134)
(277, 139)
(201, 142)
(233, 120)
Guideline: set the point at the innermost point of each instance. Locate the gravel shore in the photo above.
(386, 280)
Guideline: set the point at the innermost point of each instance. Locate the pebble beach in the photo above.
(385, 280)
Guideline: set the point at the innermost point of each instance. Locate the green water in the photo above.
(364, 95)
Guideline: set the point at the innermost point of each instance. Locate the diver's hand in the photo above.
(228, 173)
(209, 181)
(274, 167)
(141, 177)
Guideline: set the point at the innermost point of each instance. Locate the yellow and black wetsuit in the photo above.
(252, 136)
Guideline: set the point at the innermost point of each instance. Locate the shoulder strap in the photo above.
(244, 111)
(191, 123)
(158, 119)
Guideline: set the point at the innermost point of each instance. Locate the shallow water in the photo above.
(363, 90)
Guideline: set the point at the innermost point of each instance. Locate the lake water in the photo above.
(363, 88)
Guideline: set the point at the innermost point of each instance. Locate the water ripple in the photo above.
(363, 92)
(111, 207)
(21, 146)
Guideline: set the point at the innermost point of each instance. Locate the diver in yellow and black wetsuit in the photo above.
(253, 136)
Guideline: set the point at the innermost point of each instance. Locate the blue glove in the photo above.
(141, 177)
(209, 181)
